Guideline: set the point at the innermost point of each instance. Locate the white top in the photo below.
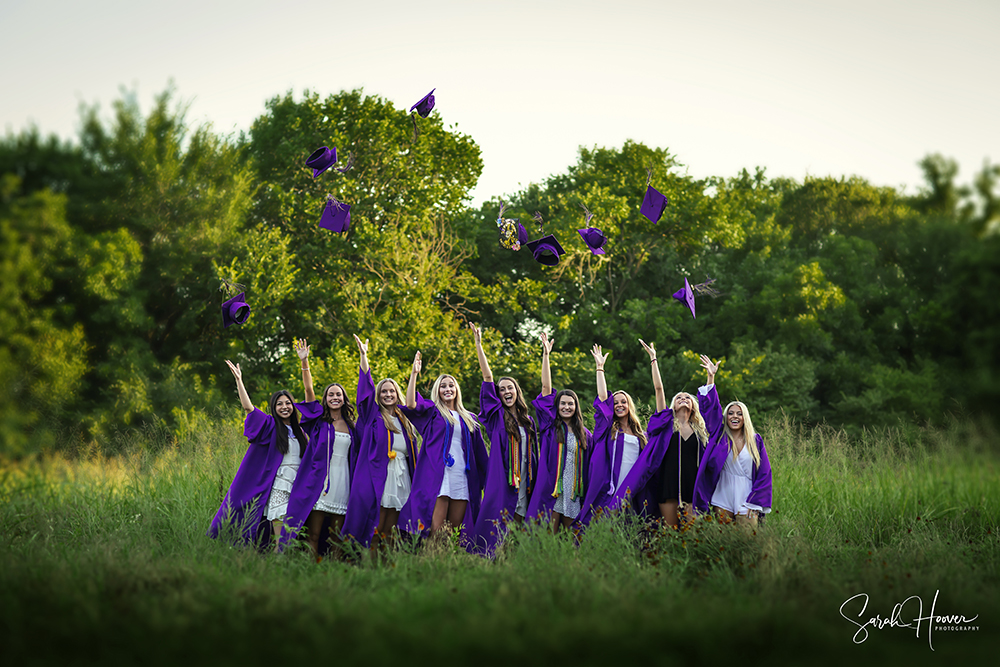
(338, 480)
(629, 456)
(397, 478)
(455, 484)
(289, 464)
(735, 484)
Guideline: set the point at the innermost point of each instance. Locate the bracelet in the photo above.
(599, 370)
(305, 368)
(652, 361)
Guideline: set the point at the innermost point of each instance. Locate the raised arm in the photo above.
(362, 352)
(711, 368)
(411, 386)
(661, 397)
(546, 371)
(602, 383)
(302, 350)
(244, 397)
(484, 365)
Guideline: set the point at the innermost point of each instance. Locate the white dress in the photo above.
(337, 485)
(735, 483)
(629, 456)
(397, 477)
(522, 489)
(281, 488)
(455, 484)
(565, 503)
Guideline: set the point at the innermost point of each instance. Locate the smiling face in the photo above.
(508, 393)
(448, 390)
(334, 397)
(283, 407)
(734, 418)
(387, 395)
(566, 407)
(621, 405)
(683, 402)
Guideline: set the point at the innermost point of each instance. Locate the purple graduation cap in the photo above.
(686, 296)
(653, 204)
(546, 250)
(336, 216)
(522, 234)
(235, 310)
(594, 238)
(425, 105)
(321, 159)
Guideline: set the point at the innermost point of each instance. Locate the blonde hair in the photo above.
(394, 411)
(632, 419)
(696, 420)
(749, 434)
(463, 414)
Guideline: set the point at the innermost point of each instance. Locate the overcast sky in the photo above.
(799, 87)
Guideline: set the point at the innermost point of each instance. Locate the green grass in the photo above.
(104, 560)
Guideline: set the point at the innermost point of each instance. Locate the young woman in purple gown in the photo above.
(735, 475)
(451, 465)
(321, 490)
(513, 461)
(384, 474)
(564, 453)
(262, 485)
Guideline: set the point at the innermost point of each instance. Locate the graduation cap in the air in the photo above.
(513, 235)
(235, 310)
(546, 250)
(322, 159)
(336, 216)
(594, 238)
(686, 296)
(425, 105)
(654, 202)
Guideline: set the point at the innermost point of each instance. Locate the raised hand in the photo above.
(301, 348)
(235, 368)
(650, 350)
(416, 363)
(547, 343)
(711, 368)
(477, 334)
(362, 347)
(599, 356)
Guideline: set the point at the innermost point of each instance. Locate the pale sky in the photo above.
(800, 87)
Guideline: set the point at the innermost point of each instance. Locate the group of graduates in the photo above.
(330, 471)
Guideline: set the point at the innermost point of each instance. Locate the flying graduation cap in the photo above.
(235, 310)
(336, 216)
(321, 159)
(546, 250)
(592, 236)
(425, 105)
(513, 235)
(686, 296)
(654, 203)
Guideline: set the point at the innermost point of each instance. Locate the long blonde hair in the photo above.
(463, 414)
(632, 418)
(394, 411)
(696, 420)
(749, 434)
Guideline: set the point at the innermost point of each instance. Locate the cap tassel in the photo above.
(349, 163)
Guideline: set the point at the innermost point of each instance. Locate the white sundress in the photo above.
(281, 488)
(565, 503)
(397, 477)
(334, 500)
(735, 483)
(455, 483)
(630, 454)
(522, 489)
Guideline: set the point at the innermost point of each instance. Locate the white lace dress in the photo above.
(281, 488)
(455, 483)
(565, 503)
(338, 477)
(397, 477)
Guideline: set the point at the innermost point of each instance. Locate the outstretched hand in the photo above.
(301, 348)
(477, 334)
(649, 349)
(599, 357)
(362, 347)
(710, 367)
(235, 368)
(416, 363)
(547, 343)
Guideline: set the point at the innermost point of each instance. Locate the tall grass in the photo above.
(104, 559)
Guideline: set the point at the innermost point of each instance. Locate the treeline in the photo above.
(840, 301)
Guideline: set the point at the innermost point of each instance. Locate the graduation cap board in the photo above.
(653, 204)
(594, 238)
(425, 105)
(235, 310)
(546, 250)
(336, 216)
(686, 296)
(321, 159)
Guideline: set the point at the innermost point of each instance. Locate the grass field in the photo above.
(104, 560)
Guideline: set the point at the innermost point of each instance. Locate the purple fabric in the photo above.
(499, 497)
(368, 482)
(601, 466)
(711, 469)
(541, 503)
(435, 431)
(311, 477)
(242, 510)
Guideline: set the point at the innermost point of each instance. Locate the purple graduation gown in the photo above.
(435, 431)
(499, 496)
(242, 509)
(659, 431)
(311, 477)
(542, 501)
(711, 469)
(368, 482)
(605, 461)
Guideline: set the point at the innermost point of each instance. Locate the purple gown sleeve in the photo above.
(711, 412)
(760, 493)
(259, 428)
(366, 396)
(421, 414)
(598, 458)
